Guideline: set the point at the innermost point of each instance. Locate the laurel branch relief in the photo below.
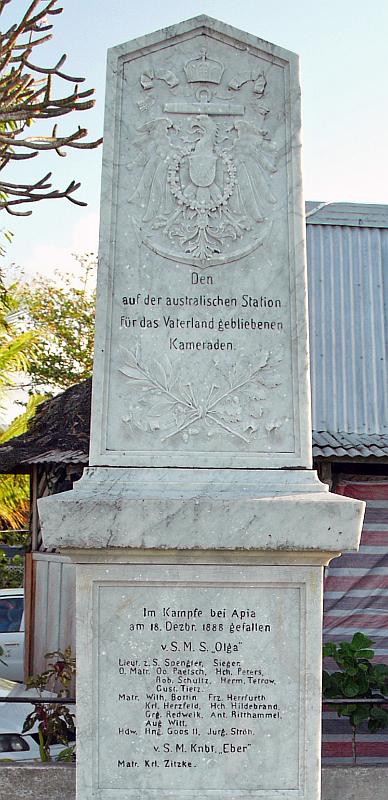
(162, 401)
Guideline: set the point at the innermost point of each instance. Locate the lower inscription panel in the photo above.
(199, 686)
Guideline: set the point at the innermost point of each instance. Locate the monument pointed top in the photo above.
(202, 24)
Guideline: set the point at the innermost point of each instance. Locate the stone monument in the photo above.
(200, 530)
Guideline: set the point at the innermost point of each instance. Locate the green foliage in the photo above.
(13, 356)
(62, 317)
(58, 676)
(14, 502)
(358, 678)
(16, 346)
(55, 722)
(11, 571)
(46, 331)
(19, 425)
(15, 490)
(15, 538)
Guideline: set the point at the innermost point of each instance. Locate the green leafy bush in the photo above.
(358, 679)
(11, 571)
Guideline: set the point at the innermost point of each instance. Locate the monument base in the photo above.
(199, 607)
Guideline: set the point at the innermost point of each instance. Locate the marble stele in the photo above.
(200, 531)
(201, 338)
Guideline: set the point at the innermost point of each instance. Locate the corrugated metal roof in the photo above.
(360, 215)
(57, 456)
(349, 445)
(348, 302)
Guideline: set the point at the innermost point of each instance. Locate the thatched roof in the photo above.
(59, 432)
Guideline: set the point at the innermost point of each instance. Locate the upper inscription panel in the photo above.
(201, 351)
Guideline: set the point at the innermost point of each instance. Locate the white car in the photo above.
(12, 634)
(14, 744)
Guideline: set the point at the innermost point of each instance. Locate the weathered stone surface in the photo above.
(37, 781)
(207, 677)
(354, 783)
(201, 346)
(239, 511)
(34, 782)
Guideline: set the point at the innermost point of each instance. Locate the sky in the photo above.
(343, 46)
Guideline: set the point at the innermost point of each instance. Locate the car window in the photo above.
(11, 612)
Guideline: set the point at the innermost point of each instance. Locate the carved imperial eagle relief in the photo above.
(204, 195)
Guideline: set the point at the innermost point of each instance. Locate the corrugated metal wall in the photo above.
(54, 603)
(348, 303)
(356, 599)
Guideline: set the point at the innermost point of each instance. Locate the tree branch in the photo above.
(53, 70)
(50, 142)
(34, 193)
(25, 96)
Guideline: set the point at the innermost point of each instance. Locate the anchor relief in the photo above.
(203, 192)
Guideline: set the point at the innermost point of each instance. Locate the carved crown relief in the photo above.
(204, 196)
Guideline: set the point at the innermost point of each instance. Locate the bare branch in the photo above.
(54, 70)
(86, 145)
(45, 142)
(34, 193)
(25, 96)
(45, 111)
(37, 42)
(41, 184)
(16, 157)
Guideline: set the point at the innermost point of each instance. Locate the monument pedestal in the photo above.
(199, 607)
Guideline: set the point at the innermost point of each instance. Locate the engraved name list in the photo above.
(197, 677)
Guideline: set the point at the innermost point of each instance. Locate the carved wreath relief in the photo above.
(204, 196)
